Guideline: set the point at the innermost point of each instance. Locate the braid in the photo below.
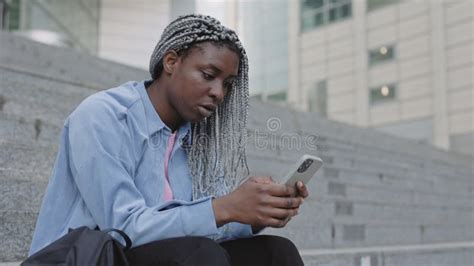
(216, 157)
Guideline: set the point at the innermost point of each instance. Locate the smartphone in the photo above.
(303, 170)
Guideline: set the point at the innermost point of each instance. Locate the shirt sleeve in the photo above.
(234, 230)
(104, 178)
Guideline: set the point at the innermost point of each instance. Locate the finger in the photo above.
(281, 214)
(285, 221)
(280, 190)
(263, 179)
(285, 202)
(277, 223)
(302, 190)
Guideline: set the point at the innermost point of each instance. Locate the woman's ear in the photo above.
(169, 61)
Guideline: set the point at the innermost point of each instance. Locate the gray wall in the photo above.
(463, 143)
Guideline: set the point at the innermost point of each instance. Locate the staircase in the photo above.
(378, 200)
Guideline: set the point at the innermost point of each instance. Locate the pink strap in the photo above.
(168, 192)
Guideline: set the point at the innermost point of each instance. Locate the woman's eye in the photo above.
(228, 86)
(207, 76)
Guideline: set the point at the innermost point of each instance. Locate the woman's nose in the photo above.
(217, 92)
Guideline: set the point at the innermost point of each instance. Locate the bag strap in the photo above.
(128, 241)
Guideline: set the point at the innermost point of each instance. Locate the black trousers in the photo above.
(259, 250)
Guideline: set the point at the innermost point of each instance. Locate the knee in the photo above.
(277, 241)
(205, 243)
(278, 245)
(208, 252)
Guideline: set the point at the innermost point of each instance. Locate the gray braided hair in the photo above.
(216, 156)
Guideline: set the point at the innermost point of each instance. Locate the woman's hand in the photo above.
(260, 202)
(302, 190)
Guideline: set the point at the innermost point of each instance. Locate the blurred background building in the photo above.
(404, 67)
(399, 66)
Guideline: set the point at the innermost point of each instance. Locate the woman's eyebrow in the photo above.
(214, 68)
(218, 70)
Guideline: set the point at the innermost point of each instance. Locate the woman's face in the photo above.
(201, 79)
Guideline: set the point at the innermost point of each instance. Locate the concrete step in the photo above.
(16, 230)
(315, 215)
(387, 195)
(277, 146)
(21, 195)
(35, 112)
(436, 254)
(13, 263)
(8, 174)
(361, 162)
(307, 123)
(54, 108)
(26, 195)
(48, 113)
(293, 145)
(427, 161)
(27, 157)
(40, 95)
(363, 178)
(18, 129)
(24, 157)
(320, 204)
(415, 182)
(64, 63)
(35, 102)
(345, 234)
(324, 210)
(382, 203)
(341, 161)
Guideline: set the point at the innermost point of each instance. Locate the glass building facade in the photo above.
(263, 27)
(62, 22)
(317, 13)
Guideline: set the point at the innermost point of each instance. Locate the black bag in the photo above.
(83, 246)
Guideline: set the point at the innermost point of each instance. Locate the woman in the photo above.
(163, 160)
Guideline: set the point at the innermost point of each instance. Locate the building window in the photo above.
(51, 21)
(316, 13)
(375, 4)
(10, 15)
(256, 97)
(317, 98)
(381, 54)
(383, 94)
(277, 97)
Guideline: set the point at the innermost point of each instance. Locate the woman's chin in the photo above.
(195, 118)
(199, 116)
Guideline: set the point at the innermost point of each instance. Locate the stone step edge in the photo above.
(387, 249)
(84, 84)
(308, 253)
(88, 84)
(13, 263)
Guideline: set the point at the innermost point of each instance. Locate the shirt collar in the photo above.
(184, 133)
(153, 119)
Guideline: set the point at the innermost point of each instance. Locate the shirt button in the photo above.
(155, 140)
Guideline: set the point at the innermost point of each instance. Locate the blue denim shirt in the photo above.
(109, 172)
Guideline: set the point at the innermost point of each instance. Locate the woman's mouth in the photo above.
(206, 111)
